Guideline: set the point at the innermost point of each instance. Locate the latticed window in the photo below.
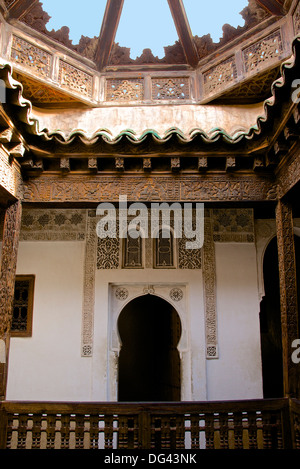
(21, 325)
(133, 252)
(164, 249)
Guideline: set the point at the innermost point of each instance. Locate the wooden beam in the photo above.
(19, 8)
(11, 233)
(184, 31)
(275, 7)
(108, 32)
(288, 295)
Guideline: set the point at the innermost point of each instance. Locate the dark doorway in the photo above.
(149, 362)
(270, 321)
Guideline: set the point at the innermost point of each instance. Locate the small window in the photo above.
(133, 252)
(164, 249)
(21, 325)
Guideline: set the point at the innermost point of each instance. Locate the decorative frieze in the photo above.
(53, 225)
(74, 79)
(170, 88)
(263, 52)
(31, 56)
(220, 76)
(124, 90)
(233, 225)
(143, 189)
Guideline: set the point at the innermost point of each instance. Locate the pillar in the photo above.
(10, 243)
(288, 295)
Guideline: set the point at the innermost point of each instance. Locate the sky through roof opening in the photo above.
(149, 26)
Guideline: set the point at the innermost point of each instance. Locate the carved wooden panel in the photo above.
(11, 233)
(220, 76)
(170, 88)
(124, 90)
(74, 79)
(21, 325)
(10, 176)
(263, 52)
(288, 293)
(31, 56)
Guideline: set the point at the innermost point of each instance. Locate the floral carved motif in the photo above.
(124, 90)
(74, 79)
(175, 88)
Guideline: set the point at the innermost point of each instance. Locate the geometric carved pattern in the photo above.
(38, 94)
(264, 51)
(75, 79)
(220, 75)
(188, 258)
(121, 294)
(176, 294)
(124, 90)
(31, 56)
(209, 276)
(175, 88)
(89, 286)
(53, 225)
(233, 225)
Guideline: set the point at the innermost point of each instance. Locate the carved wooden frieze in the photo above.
(143, 189)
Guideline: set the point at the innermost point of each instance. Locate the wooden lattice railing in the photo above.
(260, 424)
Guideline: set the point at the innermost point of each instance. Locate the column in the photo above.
(11, 232)
(288, 294)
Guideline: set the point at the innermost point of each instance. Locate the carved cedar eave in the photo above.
(19, 8)
(108, 31)
(275, 7)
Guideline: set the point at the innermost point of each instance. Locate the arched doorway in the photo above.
(270, 320)
(149, 362)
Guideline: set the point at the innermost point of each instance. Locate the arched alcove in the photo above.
(149, 362)
(270, 320)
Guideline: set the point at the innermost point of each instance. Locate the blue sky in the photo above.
(150, 26)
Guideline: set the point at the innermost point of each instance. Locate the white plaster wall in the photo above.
(237, 373)
(48, 366)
